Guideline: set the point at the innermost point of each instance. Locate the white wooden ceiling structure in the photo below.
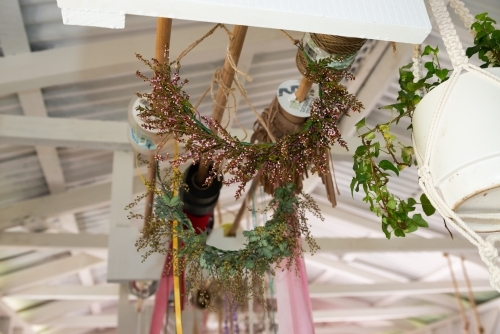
(58, 84)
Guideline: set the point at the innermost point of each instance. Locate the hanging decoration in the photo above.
(239, 273)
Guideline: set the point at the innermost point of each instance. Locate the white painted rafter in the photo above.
(46, 272)
(94, 60)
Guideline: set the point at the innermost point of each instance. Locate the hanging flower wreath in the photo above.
(239, 273)
(236, 273)
(173, 115)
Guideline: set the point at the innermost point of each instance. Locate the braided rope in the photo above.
(464, 14)
(449, 34)
(486, 247)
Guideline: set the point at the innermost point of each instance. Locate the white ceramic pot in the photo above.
(465, 157)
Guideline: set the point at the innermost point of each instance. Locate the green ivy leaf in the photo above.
(386, 231)
(370, 136)
(353, 184)
(387, 165)
(419, 220)
(360, 124)
(392, 204)
(399, 233)
(426, 205)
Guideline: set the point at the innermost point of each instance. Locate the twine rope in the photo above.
(216, 80)
(472, 301)
(461, 309)
(486, 247)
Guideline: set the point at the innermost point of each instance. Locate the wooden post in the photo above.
(163, 32)
(235, 47)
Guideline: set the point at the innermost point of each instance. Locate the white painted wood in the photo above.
(48, 241)
(84, 321)
(17, 321)
(124, 261)
(12, 34)
(366, 245)
(488, 312)
(374, 314)
(398, 20)
(392, 288)
(93, 18)
(383, 74)
(52, 310)
(64, 132)
(68, 292)
(46, 272)
(95, 60)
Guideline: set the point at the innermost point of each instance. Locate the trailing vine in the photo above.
(373, 174)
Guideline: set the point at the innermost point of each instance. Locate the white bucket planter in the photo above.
(465, 157)
(456, 141)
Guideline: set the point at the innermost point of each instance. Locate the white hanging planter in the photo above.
(465, 157)
(456, 141)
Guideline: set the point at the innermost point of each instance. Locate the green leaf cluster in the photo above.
(486, 41)
(372, 174)
(233, 272)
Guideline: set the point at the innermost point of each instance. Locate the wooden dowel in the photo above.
(303, 90)
(163, 32)
(235, 47)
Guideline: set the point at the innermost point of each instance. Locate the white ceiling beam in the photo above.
(68, 292)
(376, 314)
(46, 272)
(90, 61)
(16, 321)
(368, 245)
(383, 74)
(84, 321)
(83, 241)
(52, 310)
(64, 132)
(392, 288)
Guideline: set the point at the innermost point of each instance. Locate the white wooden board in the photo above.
(391, 20)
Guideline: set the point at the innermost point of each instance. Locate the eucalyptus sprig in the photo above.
(486, 41)
(238, 273)
(373, 175)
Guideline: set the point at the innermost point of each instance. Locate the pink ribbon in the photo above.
(294, 303)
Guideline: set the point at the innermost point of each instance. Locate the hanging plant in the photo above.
(373, 175)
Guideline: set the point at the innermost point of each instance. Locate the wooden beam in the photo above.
(16, 321)
(46, 272)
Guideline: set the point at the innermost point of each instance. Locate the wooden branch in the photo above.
(235, 47)
(163, 33)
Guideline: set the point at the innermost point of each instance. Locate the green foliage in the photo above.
(372, 175)
(237, 273)
(486, 41)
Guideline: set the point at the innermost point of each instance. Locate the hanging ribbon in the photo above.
(294, 303)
